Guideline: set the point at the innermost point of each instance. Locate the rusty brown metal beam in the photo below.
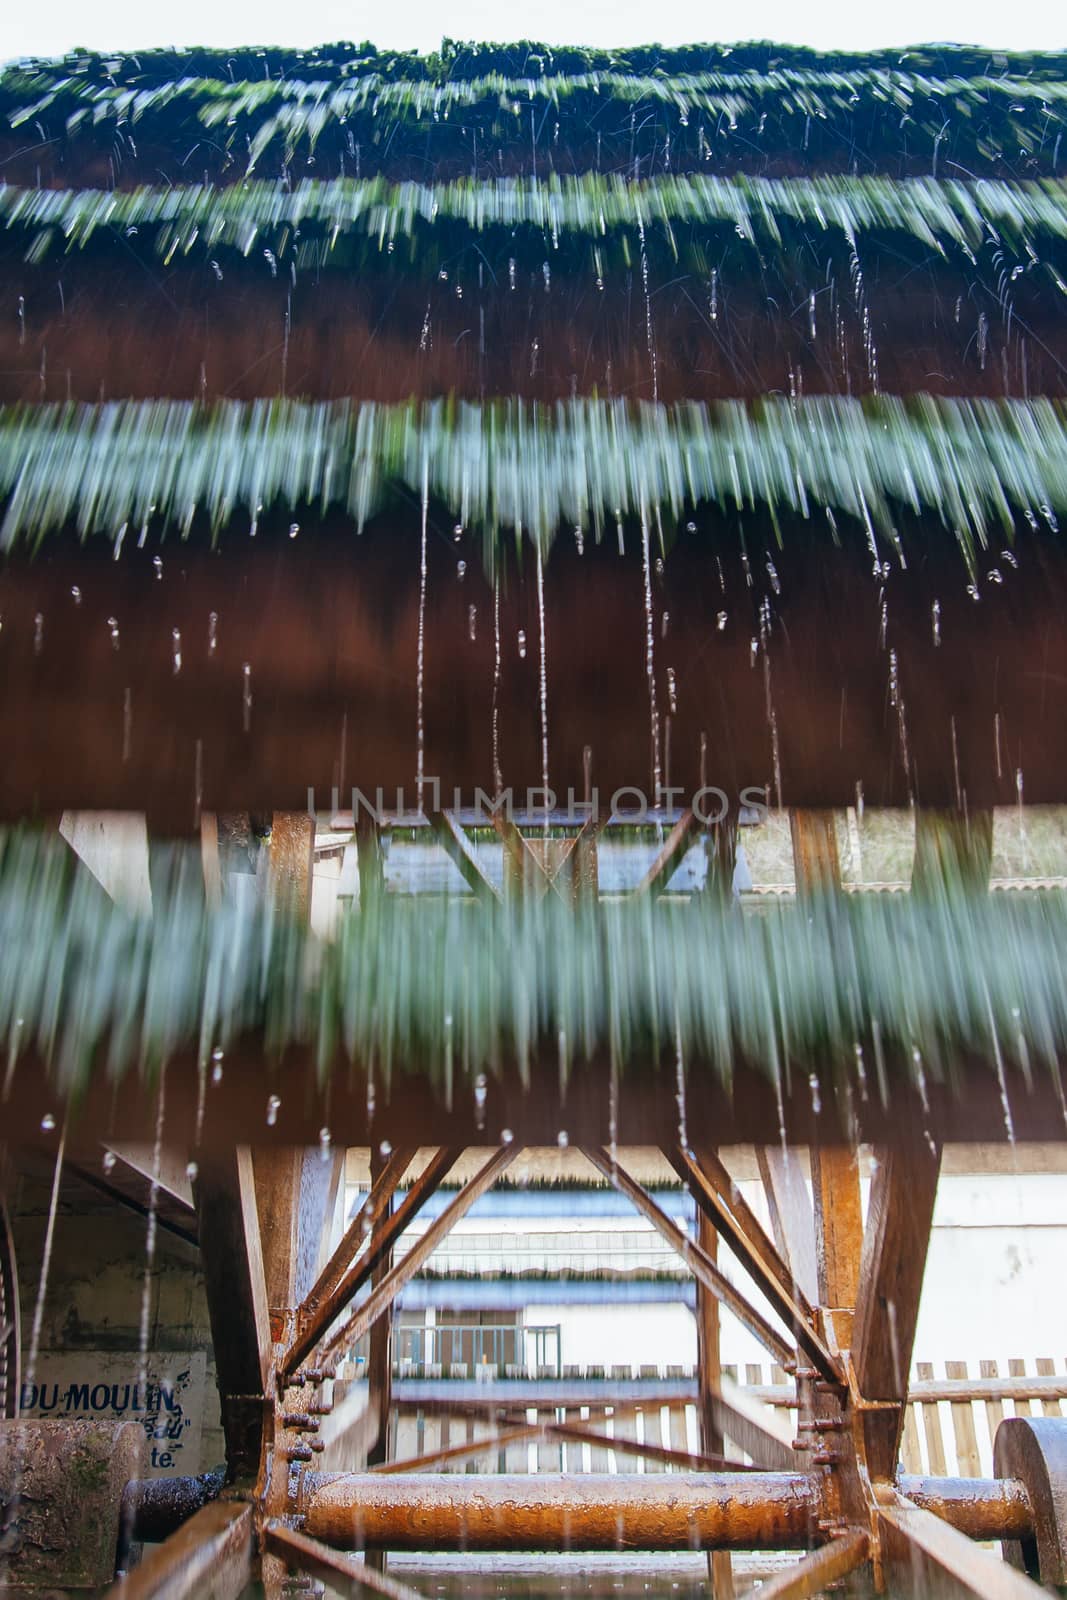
(815, 1572)
(209, 1558)
(338, 1283)
(792, 1217)
(341, 1575)
(676, 1511)
(702, 1268)
(753, 1260)
(385, 1292)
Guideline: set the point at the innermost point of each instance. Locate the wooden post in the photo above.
(292, 849)
(709, 1371)
(232, 1258)
(380, 1365)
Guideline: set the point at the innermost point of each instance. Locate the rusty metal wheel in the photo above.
(9, 1321)
(1034, 1450)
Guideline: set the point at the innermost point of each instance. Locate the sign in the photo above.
(166, 1398)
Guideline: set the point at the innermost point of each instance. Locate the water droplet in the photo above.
(108, 1161)
(472, 622)
(385, 1149)
(48, 1122)
(273, 1106)
(561, 1139)
(38, 633)
(192, 1171)
(522, 644)
(216, 1069)
(461, 570)
(690, 527)
(721, 620)
(76, 595)
(113, 629)
(176, 645)
(294, 529)
(506, 1136)
(325, 1141)
(212, 632)
(995, 575)
(157, 562)
(457, 532)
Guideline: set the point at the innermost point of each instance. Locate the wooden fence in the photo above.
(949, 1428)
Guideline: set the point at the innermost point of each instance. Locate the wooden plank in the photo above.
(209, 857)
(921, 1546)
(792, 1216)
(380, 1362)
(760, 1260)
(207, 1558)
(1017, 1369)
(482, 1444)
(674, 848)
(751, 1236)
(292, 856)
(1046, 1368)
(968, 1464)
(113, 846)
(234, 1281)
(835, 1179)
(994, 1407)
(457, 847)
(910, 1454)
(599, 1455)
(814, 1573)
(815, 858)
(381, 1298)
(899, 1218)
(292, 1185)
(342, 1574)
(935, 1447)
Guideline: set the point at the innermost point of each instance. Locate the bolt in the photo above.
(301, 1421)
(300, 1452)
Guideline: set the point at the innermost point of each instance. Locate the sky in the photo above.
(417, 24)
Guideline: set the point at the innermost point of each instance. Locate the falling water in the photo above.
(498, 777)
(151, 1230)
(420, 677)
(650, 663)
(543, 679)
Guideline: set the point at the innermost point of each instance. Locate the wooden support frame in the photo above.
(342, 1574)
(232, 1258)
(901, 1212)
(816, 1572)
(792, 1216)
(762, 1263)
(702, 1268)
(383, 1295)
(674, 848)
(451, 837)
(343, 1277)
(926, 1550)
(208, 1558)
(379, 1364)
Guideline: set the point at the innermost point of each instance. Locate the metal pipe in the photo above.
(683, 1511)
(982, 1508)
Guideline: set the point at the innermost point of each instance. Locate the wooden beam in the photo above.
(342, 1575)
(709, 1380)
(381, 1298)
(292, 856)
(815, 858)
(453, 840)
(792, 1216)
(499, 1439)
(755, 1260)
(704, 1270)
(380, 1364)
(928, 1556)
(342, 1278)
(814, 1573)
(209, 858)
(369, 858)
(208, 1558)
(900, 1215)
(232, 1260)
(689, 1460)
(670, 855)
(951, 848)
(835, 1180)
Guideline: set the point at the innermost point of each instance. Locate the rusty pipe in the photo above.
(982, 1508)
(705, 1511)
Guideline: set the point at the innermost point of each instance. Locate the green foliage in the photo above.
(858, 989)
(513, 465)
